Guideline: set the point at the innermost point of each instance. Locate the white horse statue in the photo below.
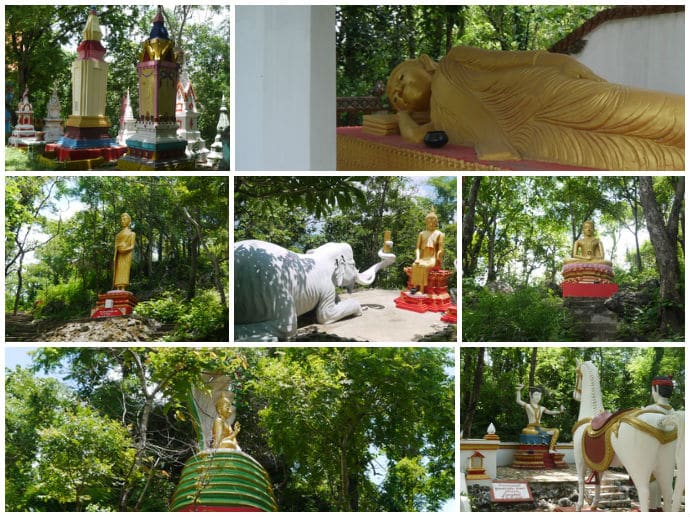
(645, 442)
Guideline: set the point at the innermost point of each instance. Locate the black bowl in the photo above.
(436, 139)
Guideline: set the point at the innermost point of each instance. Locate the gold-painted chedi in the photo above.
(541, 106)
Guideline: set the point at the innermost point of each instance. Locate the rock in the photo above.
(564, 501)
(132, 328)
(499, 287)
(628, 302)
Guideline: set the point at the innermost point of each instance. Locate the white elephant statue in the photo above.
(273, 286)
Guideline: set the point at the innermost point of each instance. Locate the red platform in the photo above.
(435, 297)
(451, 315)
(455, 152)
(66, 154)
(580, 290)
(123, 303)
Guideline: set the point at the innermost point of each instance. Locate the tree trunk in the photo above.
(665, 243)
(474, 396)
(532, 366)
(468, 225)
(20, 282)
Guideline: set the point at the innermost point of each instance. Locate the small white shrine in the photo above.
(24, 131)
(187, 117)
(127, 120)
(52, 126)
(216, 154)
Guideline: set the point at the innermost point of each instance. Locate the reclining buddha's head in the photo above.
(409, 85)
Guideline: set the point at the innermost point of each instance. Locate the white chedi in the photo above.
(52, 126)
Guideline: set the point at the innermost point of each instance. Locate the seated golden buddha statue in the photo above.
(225, 430)
(428, 253)
(589, 248)
(541, 106)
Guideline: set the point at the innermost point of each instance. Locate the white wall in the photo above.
(285, 88)
(646, 52)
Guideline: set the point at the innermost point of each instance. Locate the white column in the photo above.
(285, 87)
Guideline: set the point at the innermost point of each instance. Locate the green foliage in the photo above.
(527, 314)
(406, 31)
(167, 308)
(61, 452)
(327, 409)
(202, 319)
(64, 301)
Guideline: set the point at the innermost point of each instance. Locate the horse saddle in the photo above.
(596, 440)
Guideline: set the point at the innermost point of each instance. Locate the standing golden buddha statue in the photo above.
(124, 249)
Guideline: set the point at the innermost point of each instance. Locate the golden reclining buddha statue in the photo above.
(537, 105)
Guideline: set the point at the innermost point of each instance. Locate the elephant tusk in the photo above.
(367, 277)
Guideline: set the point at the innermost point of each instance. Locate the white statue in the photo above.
(534, 413)
(662, 389)
(645, 441)
(273, 286)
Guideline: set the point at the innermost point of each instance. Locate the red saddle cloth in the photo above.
(596, 439)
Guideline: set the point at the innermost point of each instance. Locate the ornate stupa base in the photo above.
(153, 154)
(435, 297)
(86, 138)
(113, 304)
(223, 480)
(531, 456)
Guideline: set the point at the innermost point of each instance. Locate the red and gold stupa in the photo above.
(86, 130)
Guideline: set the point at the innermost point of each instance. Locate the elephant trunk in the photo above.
(367, 277)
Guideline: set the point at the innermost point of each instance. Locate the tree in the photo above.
(82, 456)
(28, 197)
(326, 409)
(664, 237)
(147, 390)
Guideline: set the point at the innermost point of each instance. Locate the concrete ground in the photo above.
(382, 321)
(553, 475)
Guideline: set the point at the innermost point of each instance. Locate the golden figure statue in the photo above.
(589, 248)
(541, 106)
(534, 413)
(428, 254)
(124, 249)
(224, 433)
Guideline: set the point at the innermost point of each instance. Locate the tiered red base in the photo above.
(537, 457)
(588, 290)
(435, 297)
(66, 154)
(424, 302)
(451, 315)
(123, 304)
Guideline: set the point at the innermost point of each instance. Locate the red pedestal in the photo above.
(435, 297)
(588, 290)
(451, 315)
(66, 154)
(429, 301)
(123, 304)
